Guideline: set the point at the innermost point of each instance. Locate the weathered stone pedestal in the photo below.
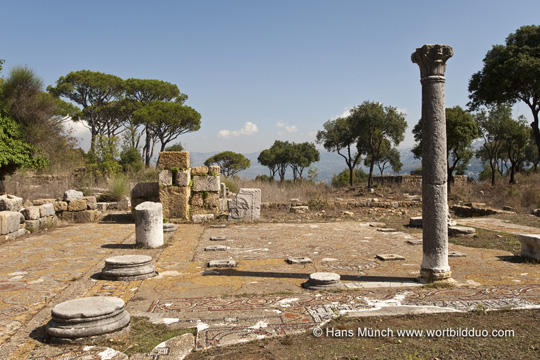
(128, 268)
(432, 62)
(92, 317)
(323, 281)
(530, 246)
(149, 224)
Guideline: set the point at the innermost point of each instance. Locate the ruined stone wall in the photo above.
(398, 179)
(174, 184)
(205, 190)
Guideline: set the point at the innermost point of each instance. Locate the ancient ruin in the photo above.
(432, 62)
(128, 268)
(83, 318)
(149, 224)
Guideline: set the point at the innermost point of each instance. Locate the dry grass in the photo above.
(276, 192)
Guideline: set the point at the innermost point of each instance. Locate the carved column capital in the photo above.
(432, 60)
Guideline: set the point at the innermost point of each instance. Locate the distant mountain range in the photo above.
(329, 165)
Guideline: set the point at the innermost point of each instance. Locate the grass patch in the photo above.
(487, 239)
(143, 336)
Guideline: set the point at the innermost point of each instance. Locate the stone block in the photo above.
(415, 221)
(60, 206)
(72, 195)
(216, 248)
(389, 257)
(77, 205)
(199, 170)
(196, 199)
(530, 246)
(66, 216)
(214, 170)
(212, 200)
(10, 203)
(32, 223)
(182, 177)
(461, 231)
(199, 218)
(299, 209)
(31, 213)
(46, 210)
(39, 202)
(206, 183)
(124, 204)
(85, 216)
(173, 159)
(91, 202)
(228, 263)
(43, 222)
(175, 201)
(145, 190)
(246, 205)
(16, 234)
(165, 178)
(9, 221)
(299, 260)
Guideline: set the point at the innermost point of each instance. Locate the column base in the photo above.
(430, 275)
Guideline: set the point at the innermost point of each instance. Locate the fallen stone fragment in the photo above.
(222, 263)
(386, 230)
(202, 218)
(389, 257)
(218, 238)
(377, 224)
(169, 227)
(461, 231)
(414, 242)
(218, 226)
(216, 248)
(299, 260)
(456, 254)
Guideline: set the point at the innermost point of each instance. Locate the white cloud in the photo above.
(248, 129)
(289, 128)
(345, 113)
(403, 111)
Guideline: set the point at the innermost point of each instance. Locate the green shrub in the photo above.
(342, 179)
(118, 188)
(231, 184)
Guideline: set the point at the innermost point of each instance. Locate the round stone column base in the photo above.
(323, 281)
(430, 275)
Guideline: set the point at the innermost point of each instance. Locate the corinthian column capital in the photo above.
(432, 60)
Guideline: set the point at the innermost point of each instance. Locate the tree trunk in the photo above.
(351, 174)
(536, 131)
(370, 179)
(492, 173)
(512, 172)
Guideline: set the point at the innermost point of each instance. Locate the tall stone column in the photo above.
(432, 62)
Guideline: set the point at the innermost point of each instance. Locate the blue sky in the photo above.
(259, 71)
